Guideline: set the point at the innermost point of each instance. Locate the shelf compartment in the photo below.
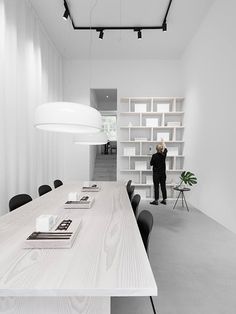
(179, 163)
(129, 120)
(130, 145)
(179, 134)
(134, 103)
(167, 135)
(124, 134)
(143, 133)
(148, 120)
(173, 118)
(157, 103)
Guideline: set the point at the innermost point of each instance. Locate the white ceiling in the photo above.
(184, 19)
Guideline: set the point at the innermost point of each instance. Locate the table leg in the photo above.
(185, 202)
(177, 200)
(59, 305)
(182, 198)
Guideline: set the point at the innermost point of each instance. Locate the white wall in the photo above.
(93, 148)
(131, 78)
(210, 73)
(30, 74)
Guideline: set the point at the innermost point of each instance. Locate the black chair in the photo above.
(43, 189)
(145, 224)
(128, 184)
(57, 183)
(135, 203)
(130, 189)
(19, 200)
(113, 146)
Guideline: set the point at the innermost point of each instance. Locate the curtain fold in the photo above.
(30, 74)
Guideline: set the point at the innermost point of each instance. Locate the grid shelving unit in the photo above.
(142, 122)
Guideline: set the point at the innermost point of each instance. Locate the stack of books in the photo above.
(90, 187)
(84, 201)
(61, 236)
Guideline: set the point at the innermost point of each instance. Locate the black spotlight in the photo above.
(139, 34)
(101, 34)
(164, 27)
(66, 14)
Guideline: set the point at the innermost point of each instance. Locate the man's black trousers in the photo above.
(159, 179)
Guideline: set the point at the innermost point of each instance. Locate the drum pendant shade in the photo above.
(68, 117)
(91, 139)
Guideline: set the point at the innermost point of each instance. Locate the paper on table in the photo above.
(73, 196)
(44, 223)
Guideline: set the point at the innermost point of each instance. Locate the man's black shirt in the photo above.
(158, 162)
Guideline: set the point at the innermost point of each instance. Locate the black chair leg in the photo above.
(153, 307)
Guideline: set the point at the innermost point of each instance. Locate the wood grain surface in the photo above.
(55, 305)
(107, 259)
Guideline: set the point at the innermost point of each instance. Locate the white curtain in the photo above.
(30, 74)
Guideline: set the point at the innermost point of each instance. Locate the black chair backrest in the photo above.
(145, 224)
(135, 203)
(130, 191)
(57, 183)
(43, 189)
(128, 185)
(19, 200)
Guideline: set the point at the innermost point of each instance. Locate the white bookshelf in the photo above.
(141, 124)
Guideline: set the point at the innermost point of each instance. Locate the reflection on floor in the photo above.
(105, 168)
(193, 259)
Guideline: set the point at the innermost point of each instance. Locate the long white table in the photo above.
(107, 259)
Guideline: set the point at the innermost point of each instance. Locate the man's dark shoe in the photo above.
(163, 202)
(154, 203)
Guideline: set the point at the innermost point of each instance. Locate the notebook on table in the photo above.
(90, 187)
(61, 236)
(84, 201)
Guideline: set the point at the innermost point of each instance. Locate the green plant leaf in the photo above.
(187, 177)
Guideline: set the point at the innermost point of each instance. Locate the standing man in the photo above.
(158, 162)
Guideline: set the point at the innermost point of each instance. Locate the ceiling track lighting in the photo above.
(137, 29)
(101, 33)
(65, 15)
(139, 32)
(67, 12)
(164, 27)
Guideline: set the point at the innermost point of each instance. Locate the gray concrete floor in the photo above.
(194, 262)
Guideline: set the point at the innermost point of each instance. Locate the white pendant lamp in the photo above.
(91, 139)
(68, 117)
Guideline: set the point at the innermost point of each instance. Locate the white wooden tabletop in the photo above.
(107, 259)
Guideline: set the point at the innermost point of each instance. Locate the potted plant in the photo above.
(188, 178)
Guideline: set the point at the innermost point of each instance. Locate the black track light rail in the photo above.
(134, 28)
